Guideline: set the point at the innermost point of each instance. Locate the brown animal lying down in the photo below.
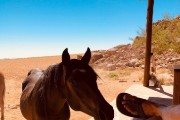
(140, 108)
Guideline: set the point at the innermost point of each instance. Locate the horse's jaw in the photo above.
(100, 111)
(101, 115)
(93, 113)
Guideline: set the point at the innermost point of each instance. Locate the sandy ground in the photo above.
(15, 71)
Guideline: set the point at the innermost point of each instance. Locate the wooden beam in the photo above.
(176, 90)
(148, 42)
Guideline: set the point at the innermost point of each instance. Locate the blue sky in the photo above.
(46, 27)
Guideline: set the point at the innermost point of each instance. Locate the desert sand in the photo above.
(15, 70)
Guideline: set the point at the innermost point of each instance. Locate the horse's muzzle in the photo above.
(107, 113)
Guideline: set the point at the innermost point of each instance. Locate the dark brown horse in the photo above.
(48, 94)
(2, 94)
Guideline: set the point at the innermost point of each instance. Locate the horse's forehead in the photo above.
(82, 71)
(74, 63)
(79, 65)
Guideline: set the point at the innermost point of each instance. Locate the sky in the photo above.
(30, 28)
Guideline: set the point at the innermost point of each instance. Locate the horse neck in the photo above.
(55, 98)
(53, 86)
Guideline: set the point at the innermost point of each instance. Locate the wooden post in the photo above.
(148, 42)
(176, 90)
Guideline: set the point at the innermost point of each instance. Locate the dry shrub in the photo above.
(165, 79)
(113, 75)
(118, 74)
(162, 71)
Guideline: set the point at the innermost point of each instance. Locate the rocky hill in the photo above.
(124, 56)
(165, 36)
(133, 55)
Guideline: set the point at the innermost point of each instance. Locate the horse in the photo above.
(2, 94)
(49, 94)
(141, 108)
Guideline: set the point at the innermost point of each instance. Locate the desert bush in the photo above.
(113, 75)
(176, 47)
(165, 36)
(167, 16)
(119, 73)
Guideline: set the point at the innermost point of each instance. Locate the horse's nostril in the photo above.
(102, 115)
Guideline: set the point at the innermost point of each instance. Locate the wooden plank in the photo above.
(176, 89)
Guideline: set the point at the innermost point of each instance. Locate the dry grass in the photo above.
(118, 74)
(162, 71)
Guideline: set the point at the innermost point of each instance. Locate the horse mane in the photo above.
(52, 74)
(47, 79)
(45, 83)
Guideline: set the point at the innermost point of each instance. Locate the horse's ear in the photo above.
(65, 56)
(87, 56)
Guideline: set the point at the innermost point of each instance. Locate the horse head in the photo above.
(81, 88)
